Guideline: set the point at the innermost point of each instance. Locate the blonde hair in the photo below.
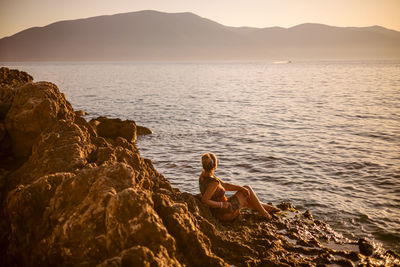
(209, 162)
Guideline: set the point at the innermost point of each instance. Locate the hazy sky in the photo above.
(17, 15)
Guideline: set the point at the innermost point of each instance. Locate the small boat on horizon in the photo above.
(282, 62)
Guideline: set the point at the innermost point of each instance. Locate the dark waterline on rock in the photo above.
(323, 135)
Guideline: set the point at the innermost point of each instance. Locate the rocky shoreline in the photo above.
(79, 193)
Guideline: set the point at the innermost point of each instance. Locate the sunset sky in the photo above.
(17, 15)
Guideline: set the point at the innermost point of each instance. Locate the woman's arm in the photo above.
(206, 198)
(232, 187)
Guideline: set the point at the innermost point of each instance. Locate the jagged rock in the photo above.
(113, 128)
(13, 78)
(366, 247)
(80, 113)
(286, 206)
(36, 107)
(181, 225)
(64, 147)
(307, 214)
(141, 130)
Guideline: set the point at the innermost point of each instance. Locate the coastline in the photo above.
(83, 194)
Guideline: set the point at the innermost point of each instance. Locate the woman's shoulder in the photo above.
(208, 179)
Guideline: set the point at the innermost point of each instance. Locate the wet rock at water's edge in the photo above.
(81, 194)
(112, 128)
(80, 113)
(286, 206)
(141, 130)
(366, 247)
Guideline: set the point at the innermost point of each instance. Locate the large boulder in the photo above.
(35, 108)
(141, 130)
(113, 128)
(81, 218)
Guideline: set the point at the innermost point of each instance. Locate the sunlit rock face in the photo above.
(79, 193)
(36, 107)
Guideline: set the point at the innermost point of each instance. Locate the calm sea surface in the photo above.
(322, 135)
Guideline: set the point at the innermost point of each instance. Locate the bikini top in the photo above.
(219, 194)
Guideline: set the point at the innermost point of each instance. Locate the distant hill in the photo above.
(152, 35)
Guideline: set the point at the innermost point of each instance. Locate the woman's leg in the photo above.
(267, 207)
(270, 208)
(252, 202)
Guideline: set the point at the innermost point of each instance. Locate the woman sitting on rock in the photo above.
(213, 194)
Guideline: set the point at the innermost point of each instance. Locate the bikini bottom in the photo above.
(234, 202)
(221, 212)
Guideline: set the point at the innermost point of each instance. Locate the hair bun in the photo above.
(209, 161)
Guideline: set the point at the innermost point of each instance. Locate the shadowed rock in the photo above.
(3, 132)
(141, 130)
(113, 128)
(86, 197)
(10, 79)
(80, 113)
(287, 206)
(366, 247)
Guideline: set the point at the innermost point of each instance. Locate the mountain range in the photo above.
(152, 35)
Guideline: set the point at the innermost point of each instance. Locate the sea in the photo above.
(323, 135)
